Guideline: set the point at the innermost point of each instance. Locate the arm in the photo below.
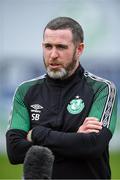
(19, 125)
(77, 144)
(81, 143)
(17, 145)
(72, 144)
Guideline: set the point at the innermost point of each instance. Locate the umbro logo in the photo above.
(35, 111)
(36, 108)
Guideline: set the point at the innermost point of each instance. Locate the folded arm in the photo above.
(90, 140)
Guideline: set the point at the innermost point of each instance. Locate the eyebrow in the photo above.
(57, 45)
(62, 46)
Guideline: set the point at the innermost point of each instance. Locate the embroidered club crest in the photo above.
(75, 106)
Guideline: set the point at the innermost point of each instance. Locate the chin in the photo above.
(57, 74)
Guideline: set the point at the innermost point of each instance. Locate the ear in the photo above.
(80, 48)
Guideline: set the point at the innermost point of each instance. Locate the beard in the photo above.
(57, 74)
(63, 72)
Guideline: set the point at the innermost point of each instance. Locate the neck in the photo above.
(73, 70)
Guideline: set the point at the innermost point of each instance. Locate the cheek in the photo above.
(46, 55)
(45, 58)
(67, 55)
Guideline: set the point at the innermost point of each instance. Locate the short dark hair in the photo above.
(67, 23)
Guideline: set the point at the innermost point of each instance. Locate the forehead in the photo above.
(60, 35)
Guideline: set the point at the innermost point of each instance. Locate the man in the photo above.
(68, 110)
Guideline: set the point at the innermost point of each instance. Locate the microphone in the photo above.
(38, 163)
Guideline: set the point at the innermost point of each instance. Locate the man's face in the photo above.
(61, 57)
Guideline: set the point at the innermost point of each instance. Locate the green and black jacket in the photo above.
(55, 109)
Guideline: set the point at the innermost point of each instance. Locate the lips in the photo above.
(54, 66)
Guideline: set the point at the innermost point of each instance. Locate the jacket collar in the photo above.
(78, 74)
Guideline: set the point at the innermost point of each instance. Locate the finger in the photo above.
(92, 130)
(29, 138)
(93, 126)
(91, 118)
(92, 121)
(87, 123)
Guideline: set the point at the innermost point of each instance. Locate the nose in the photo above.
(54, 53)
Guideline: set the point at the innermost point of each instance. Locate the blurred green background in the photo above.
(8, 171)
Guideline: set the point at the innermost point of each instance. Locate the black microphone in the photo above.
(38, 163)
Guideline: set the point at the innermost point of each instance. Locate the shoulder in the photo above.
(31, 82)
(26, 85)
(99, 83)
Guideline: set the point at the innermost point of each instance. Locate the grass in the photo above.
(115, 165)
(8, 171)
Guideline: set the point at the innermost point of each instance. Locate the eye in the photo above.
(62, 46)
(48, 46)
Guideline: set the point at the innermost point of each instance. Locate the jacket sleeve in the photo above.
(63, 143)
(80, 144)
(17, 145)
(72, 144)
(105, 106)
(19, 125)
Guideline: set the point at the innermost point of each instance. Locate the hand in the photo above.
(29, 138)
(91, 124)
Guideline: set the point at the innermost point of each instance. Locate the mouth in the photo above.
(55, 66)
